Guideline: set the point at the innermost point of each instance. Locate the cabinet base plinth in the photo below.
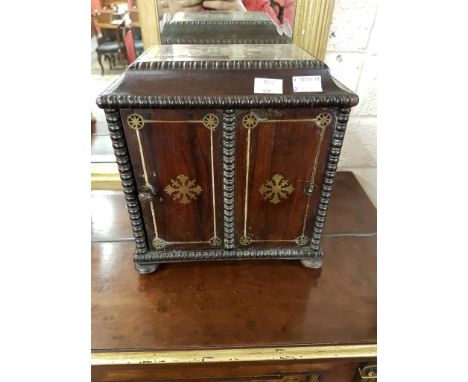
(146, 269)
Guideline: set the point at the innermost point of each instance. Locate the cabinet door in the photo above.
(176, 157)
(280, 163)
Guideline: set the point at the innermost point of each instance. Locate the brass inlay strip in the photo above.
(166, 121)
(246, 201)
(145, 174)
(154, 220)
(287, 120)
(281, 240)
(187, 242)
(147, 183)
(293, 353)
(213, 184)
(312, 176)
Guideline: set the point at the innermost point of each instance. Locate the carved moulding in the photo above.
(228, 102)
(226, 65)
(229, 165)
(239, 254)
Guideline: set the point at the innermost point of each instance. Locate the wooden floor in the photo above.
(236, 304)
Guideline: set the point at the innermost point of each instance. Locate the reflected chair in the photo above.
(110, 44)
(136, 31)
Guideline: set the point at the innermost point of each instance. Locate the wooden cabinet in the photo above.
(211, 170)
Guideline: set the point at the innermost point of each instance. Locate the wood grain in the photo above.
(230, 304)
(287, 149)
(350, 212)
(248, 304)
(170, 150)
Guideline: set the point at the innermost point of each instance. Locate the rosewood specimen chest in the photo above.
(227, 152)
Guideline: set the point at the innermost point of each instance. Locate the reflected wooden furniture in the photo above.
(110, 44)
(214, 171)
(113, 3)
(222, 28)
(243, 321)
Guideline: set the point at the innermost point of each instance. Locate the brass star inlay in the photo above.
(323, 120)
(135, 121)
(250, 121)
(210, 121)
(276, 189)
(183, 190)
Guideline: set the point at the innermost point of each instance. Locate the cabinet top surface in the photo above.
(229, 52)
(223, 76)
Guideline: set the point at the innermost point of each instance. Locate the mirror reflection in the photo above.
(226, 21)
(115, 34)
(116, 39)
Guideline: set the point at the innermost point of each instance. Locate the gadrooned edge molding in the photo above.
(238, 254)
(227, 65)
(228, 102)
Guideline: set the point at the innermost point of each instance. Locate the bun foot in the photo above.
(146, 269)
(312, 263)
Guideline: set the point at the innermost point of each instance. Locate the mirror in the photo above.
(226, 21)
(122, 29)
(116, 41)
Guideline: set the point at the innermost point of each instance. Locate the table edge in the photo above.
(291, 353)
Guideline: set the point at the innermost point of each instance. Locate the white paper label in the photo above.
(307, 84)
(268, 86)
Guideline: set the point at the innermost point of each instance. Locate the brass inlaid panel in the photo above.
(183, 189)
(278, 187)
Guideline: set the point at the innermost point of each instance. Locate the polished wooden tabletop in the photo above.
(237, 304)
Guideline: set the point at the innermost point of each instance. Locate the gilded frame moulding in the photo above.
(302, 353)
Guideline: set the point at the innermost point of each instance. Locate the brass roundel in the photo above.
(214, 241)
(323, 120)
(250, 121)
(302, 240)
(210, 121)
(159, 243)
(135, 121)
(245, 240)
